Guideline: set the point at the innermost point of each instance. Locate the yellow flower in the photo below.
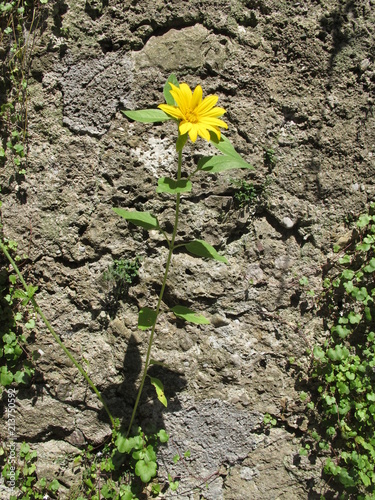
(197, 116)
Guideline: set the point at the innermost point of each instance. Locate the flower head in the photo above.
(197, 116)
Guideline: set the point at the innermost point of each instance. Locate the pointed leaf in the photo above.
(215, 164)
(143, 219)
(203, 249)
(181, 141)
(189, 315)
(167, 88)
(146, 318)
(147, 115)
(159, 390)
(225, 146)
(167, 185)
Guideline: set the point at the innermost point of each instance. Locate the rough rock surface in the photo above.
(295, 77)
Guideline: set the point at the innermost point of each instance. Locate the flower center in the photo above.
(191, 116)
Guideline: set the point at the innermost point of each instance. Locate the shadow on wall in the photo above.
(121, 397)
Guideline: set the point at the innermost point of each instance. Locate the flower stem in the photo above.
(167, 266)
(38, 310)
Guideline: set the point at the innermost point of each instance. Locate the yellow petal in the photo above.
(203, 132)
(214, 122)
(207, 103)
(183, 96)
(215, 112)
(215, 130)
(197, 97)
(193, 133)
(184, 127)
(171, 110)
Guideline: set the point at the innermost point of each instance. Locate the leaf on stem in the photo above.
(147, 115)
(168, 185)
(181, 141)
(146, 318)
(159, 390)
(169, 99)
(143, 219)
(189, 315)
(215, 164)
(203, 249)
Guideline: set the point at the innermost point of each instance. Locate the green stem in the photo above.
(167, 266)
(55, 336)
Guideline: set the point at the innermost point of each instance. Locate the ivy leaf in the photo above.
(370, 268)
(6, 378)
(159, 390)
(363, 220)
(126, 445)
(168, 185)
(169, 99)
(142, 219)
(203, 249)
(189, 315)
(215, 164)
(145, 470)
(147, 115)
(163, 436)
(146, 318)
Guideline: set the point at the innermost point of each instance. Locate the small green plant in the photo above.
(269, 420)
(122, 468)
(343, 369)
(14, 16)
(20, 472)
(269, 158)
(16, 325)
(245, 194)
(122, 274)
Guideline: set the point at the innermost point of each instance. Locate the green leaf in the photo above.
(6, 378)
(203, 249)
(54, 486)
(159, 390)
(189, 315)
(163, 436)
(146, 318)
(167, 89)
(147, 115)
(370, 268)
(225, 146)
(126, 445)
(181, 141)
(354, 318)
(363, 220)
(145, 470)
(345, 259)
(168, 185)
(155, 489)
(143, 219)
(215, 164)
